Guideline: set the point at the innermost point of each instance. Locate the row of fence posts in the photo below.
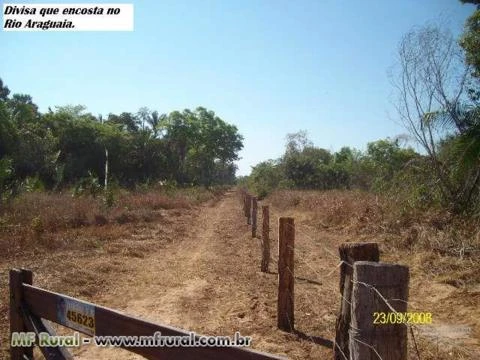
(367, 287)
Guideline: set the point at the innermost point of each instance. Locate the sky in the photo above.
(271, 67)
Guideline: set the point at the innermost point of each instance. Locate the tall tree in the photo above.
(432, 82)
(470, 40)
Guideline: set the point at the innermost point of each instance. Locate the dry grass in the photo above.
(88, 262)
(76, 246)
(430, 349)
(360, 213)
(48, 219)
(55, 211)
(334, 208)
(442, 251)
(445, 246)
(153, 201)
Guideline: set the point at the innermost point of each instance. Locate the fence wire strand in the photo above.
(302, 259)
(311, 302)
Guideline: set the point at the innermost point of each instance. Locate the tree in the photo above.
(8, 132)
(215, 146)
(470, 42)
(200, 144)
(4, 91)
(431, 80)
(385, 159)
(22, 109)
(154, 121)
(70, 145)
(265, 177)
(298, 141)
(344, 156)
(126, 121)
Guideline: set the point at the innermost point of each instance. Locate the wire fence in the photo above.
(307, 248)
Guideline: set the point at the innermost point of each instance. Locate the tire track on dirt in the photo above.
(184, 284)
(208, 281)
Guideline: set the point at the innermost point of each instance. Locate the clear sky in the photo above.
(270, 67)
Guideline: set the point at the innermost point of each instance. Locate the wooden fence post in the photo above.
(254, 216)
(375, 284)
(17, 277)
(248, 209)
(349, 253)
(27, 278)
(265, 238)
(244, 202)
(286, 278)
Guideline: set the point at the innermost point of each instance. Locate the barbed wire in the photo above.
(303, 254)
(341, 351)
(311, 302)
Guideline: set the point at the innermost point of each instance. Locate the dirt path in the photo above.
(197, 269)
(208, 281)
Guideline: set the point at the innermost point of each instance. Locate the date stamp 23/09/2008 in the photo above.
(407, 318)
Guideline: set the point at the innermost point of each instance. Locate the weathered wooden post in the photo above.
(286, 278)
(254, 216)
(17, 277)
(249, 209)
(349, 253)
(244, 198)
(265, 238)
(244, 202)
(378, 288)
(106, 170)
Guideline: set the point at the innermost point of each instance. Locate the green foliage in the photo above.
(385, 167)
(386, 159)
(470, 41)
(32, 184)
(6, 174)
(68, 145)
(265, 177)
(87, 186)
(438, 103)
(413, 187)
(109, 198)
(201, 147)
(309, 167)
(8, 132)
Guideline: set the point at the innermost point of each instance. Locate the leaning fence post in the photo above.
(286, 241)
(17, 277)
(349, 253)
(378, 288)
(248, 208)
(265, 238)
(254, 216)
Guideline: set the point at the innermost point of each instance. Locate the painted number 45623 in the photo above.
(81, 319)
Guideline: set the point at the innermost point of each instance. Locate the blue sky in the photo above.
(269, 67)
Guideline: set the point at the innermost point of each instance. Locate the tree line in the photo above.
(69, 146)
(305, 166)
(437, 82)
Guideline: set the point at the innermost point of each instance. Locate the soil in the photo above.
(209, 281)
(199, 270)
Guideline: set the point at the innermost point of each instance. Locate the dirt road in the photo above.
(198, 269)
(209, 281)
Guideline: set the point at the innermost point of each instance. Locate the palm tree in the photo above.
(461, 151)
(154, 120)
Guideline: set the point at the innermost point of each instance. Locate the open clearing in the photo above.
(199, 269)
